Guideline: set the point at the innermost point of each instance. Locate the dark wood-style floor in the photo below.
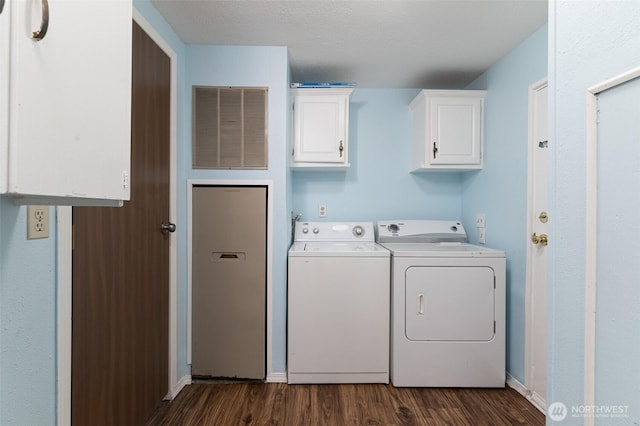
(365, 404)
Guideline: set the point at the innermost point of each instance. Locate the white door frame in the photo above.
(529, 341)
(64, 254)
(591, 233)
(270, 376)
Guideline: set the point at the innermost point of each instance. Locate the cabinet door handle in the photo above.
(1, 6)
(435, 151)
(341, 148)
(44, 22)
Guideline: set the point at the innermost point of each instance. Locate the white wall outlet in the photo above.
(480, 220)
(322, 210)
(37, 222)
(482, 235)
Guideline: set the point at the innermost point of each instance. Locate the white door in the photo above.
(617, 318)
(450, 303)
(536, 305)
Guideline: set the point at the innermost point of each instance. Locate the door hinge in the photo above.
(73, 237)
(494, 281)
(494, 327)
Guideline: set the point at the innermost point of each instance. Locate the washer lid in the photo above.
(337, 249)
(441, 250)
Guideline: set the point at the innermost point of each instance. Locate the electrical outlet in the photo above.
(37, 222)
(322, 210)
(480, 220)
(482, 235)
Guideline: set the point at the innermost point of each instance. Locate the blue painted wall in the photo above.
(589, 42)
(262, 67)
(27, 321)
(500, 189)
(378, 184)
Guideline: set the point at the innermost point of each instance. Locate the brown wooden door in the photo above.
(120, 318)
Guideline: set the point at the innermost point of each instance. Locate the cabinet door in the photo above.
(455, 131)
(320, 129)
(70, 101)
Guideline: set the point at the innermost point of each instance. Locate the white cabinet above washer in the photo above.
(447, 130)
(320, 128)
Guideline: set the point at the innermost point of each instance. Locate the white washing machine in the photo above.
(338, 305)
(447, 306)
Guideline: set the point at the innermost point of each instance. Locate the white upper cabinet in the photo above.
(320, 128)
(447, 130)
(65, 101)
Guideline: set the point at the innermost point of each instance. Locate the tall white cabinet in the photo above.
(320, 128)
(65, 101)
(447, 130)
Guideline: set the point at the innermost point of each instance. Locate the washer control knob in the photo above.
(316, 230)
(358, 231)
(305, 230)
(393, 228)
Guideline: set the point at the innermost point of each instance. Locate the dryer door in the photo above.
(450, 303)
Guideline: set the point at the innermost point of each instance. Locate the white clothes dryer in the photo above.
(447, 306)
(338, 305)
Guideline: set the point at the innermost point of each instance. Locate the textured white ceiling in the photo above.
(375, 43)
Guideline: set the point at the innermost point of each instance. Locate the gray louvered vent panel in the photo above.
(229, 128)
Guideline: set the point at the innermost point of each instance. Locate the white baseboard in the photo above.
(184, 381)
(538, 402)
(517, 386)
(277, 378)
(535, 400)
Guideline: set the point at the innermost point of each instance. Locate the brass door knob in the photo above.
(541, 239)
